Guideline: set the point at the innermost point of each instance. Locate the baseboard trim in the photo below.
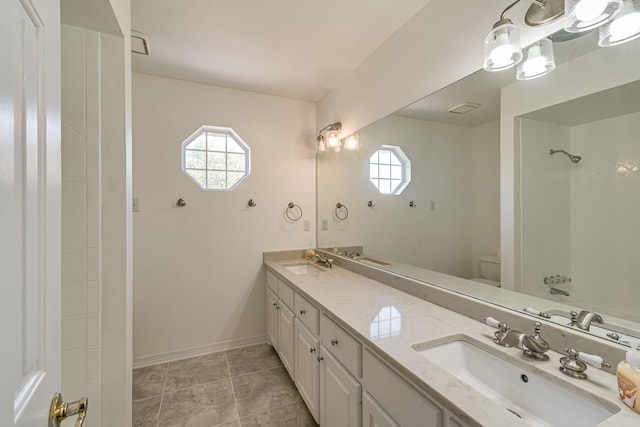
(154, 359)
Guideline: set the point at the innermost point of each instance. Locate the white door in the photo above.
(340, 394)
(29, 210)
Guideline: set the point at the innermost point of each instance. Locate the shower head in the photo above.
(574, 159)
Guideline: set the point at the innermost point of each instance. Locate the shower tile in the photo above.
(264, 390)
(252, 359)
(294, 415)
(203, 405)
(149, 381)
(196, 370)
(146, 411)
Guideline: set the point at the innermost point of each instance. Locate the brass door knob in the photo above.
(60, 410)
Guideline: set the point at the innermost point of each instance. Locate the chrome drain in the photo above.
(514, 413)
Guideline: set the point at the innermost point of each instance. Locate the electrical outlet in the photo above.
(135, 205)
(324, 225)
(432, 205)
(306, 225)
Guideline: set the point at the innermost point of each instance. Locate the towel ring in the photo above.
(292, 206)
(341, 208)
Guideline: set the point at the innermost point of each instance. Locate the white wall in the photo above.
(81, 286)
(455, 168)
(441, 44)
(605, 204)
(198, 275)
(546, 206)
(485, 192)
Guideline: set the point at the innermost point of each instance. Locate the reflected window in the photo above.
(216, 158)
(390, 169)
(388, 323)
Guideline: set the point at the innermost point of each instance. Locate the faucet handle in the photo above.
(574, 364)
(495, 323)
(593, 360)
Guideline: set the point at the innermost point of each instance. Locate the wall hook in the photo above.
(371, 204)
(181, 203)
(251, 203)
(412, 204)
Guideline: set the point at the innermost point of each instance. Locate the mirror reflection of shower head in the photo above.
(574, 159)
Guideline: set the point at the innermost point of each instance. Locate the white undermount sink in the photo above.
(521, 392)
(303, 267)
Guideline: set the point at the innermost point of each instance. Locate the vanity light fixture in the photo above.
(624, 27)
(538, 60)
(352, 142)
(584, 15)
(332, 137)
(502, 44)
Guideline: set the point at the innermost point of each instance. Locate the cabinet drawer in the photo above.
(342, 345)
(307, 313)
(285, 292)
(401, 400)
(272, 282)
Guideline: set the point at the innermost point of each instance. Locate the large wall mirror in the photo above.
(539, 181)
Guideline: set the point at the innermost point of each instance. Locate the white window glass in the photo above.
(389, 170)
(216, 158)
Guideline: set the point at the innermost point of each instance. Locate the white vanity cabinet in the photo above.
(272, 318)
(340, 394)
(307, 368)
(395, 398)
(286, 338)
(281, 320)
(373, 415)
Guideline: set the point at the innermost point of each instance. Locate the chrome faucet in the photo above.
(533, 346)
(323, 260)
(353, 255)
(584, 319)
(574, 363)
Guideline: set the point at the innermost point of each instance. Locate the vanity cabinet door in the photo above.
(340, 394)
(373, 415)
(307, 368)
(272, 318)
(286, 335)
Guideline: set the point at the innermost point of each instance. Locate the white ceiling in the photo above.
(294, 48)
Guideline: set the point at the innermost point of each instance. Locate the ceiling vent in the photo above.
(463, 108)
(139, 43)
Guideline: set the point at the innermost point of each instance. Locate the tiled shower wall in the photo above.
(81, 218)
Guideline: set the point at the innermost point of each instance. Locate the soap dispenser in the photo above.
(628, 374)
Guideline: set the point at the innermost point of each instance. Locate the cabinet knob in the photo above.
(274, 304)
(312, 349)
(334, 342)
(277, 307)
(320, 358)
(302, 312)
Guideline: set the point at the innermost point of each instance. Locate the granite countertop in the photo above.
(356, 301)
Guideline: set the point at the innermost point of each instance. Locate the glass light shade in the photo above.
(502, 46)
(624, 27)
(322, 147)
(332, 139)
(584, 15)
(537, 61)
(352, 142)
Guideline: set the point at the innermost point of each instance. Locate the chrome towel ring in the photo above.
(341, 212)
(292, 207)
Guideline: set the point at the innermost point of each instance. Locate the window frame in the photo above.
(229, 133)
(405, 164)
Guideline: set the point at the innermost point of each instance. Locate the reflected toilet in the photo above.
(489, 270)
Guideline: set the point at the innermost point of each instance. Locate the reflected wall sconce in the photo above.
(618, 22)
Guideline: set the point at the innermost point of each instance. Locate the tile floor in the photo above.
(237, 388)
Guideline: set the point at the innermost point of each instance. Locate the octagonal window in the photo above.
(216, 158)
(390, 169)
